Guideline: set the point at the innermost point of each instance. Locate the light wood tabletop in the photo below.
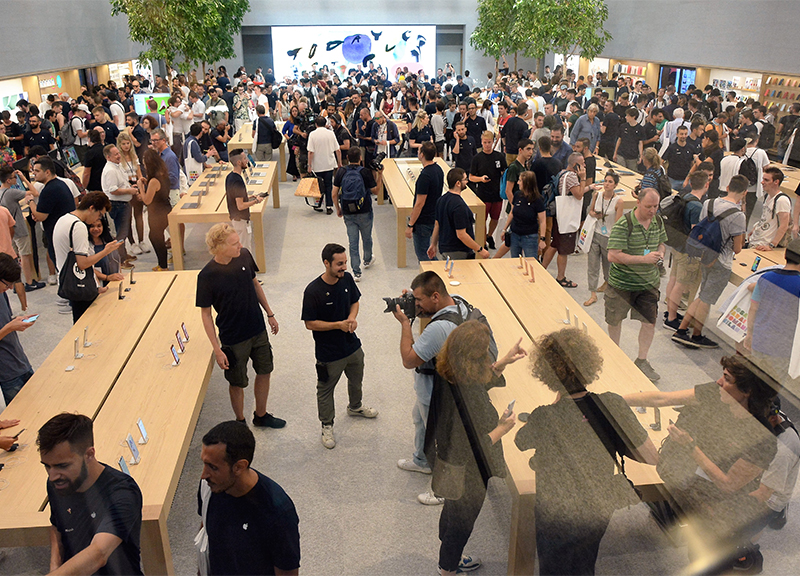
(627, 181)
(243, 138)
(743, 262)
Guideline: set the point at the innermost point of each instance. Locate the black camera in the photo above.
(375, 164)
(408, 305)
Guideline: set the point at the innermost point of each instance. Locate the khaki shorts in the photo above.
(23, 245)
(642, 304)
(257, 349)
(686, 270)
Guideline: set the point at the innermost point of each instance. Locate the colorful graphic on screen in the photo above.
(297, 48)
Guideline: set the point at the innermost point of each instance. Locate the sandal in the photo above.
(564, 283)
(592, 299)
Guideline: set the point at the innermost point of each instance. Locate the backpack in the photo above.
(549, 193)
(664, 186)
(672, 210)
(503, 184)
(766, 138)
(353, 191)
(66, 134)
(748, 169)
(705, 240)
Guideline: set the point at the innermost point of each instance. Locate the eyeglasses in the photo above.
(8, 286)
(156, 139)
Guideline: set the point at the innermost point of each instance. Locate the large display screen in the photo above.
(140, 102)
(297, 48)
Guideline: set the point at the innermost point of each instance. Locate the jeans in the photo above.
(120, 213)
(422, 240)
(458, 518)
(676, 184)
(419, 415)
(353, 368)
(326, 186)
(11, 387)
(529, 244)
(359, 224)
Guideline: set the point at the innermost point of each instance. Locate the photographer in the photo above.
(432, 301)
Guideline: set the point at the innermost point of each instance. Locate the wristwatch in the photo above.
(771, 245)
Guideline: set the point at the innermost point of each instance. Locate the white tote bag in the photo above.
(568, 209)
(201, 539)
(193, 168)
(587, 234)
(733, 322)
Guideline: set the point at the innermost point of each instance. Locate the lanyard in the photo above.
(603, 208)
(647, 236)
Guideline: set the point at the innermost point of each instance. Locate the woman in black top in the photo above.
(154, 192)
(420, 132)
(577, 439)
(527, 218)
(462, 440)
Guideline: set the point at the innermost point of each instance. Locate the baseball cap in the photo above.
(83, 107)
(793, 251)
(737, 144)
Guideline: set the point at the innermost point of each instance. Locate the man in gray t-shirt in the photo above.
(432, 301)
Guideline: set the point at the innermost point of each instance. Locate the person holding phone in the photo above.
(17, 369)
(7, 442)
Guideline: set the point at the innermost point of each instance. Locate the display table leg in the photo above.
(177, 244)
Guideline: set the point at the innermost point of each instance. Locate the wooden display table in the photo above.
(742, 266)
(214, 207)
(510, 300)
(400, 187)
(244, 139)
(124, 375)
(627, 182)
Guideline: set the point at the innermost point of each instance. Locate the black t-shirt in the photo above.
(110, 129)
(430, 183)
(526, 214)
(611, 122)
(748, 131)
(369, 183)
(221, 147)
(475, 127)
(96, 161)
(254, 533)
(265, 129)
(515, 129)
(331, 303)
(55, 200)
(680, 160)
(12, 131)
(630, 136)
(141, 136)
(651, 131)
(112, 505)
(545, 169)
(591, 169)
(365, 129)
(492, 165)
(452, 214)
(419, 136)
(695, 145)
(44, 139)
(466, 153)
(236, 188)
(229, 289)
(342, 136)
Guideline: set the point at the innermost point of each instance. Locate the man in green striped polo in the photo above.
(635, 248)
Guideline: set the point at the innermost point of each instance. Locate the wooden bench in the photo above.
(401, 192)
(510, 300)
(244, 139)
(214, 207)
(124, 375)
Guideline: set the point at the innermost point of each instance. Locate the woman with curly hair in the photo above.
(577, 439)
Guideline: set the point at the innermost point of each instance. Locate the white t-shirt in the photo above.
(761, 159)
(79, 124)
(728, 168)
(112, 179)
(198, 111)
(322, 142)
(80, 238)
(118, 115)
(609, 208)
(781, 475)
(70, 184)
(764, 231)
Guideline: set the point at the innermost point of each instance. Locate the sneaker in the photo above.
(52, 279)
(160, 269)
(749, 560)
(242, 421)
(144, 248)
(672, 324)
(134, 249)
(65, 309)
(328, 210)
(363, 411)
(369, 262)
(490, 242)
(703, 342)
(34, 286)
(678, 315)
(647, 369)
(428, 499)
(268, 421)
(682, 337)
(778, 520)
(411, 466)
(458, 570)
(127, 265)
(130, 258)
(357, 276)
(327, 437)
(469, 563)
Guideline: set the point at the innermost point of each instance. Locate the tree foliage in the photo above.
(183, 33)
(495, 32)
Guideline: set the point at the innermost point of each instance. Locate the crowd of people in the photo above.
(529, 148)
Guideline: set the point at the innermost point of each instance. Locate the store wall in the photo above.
(737, 34)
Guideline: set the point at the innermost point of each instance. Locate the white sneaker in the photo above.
(144, 248)
(52, 279)
(364, 412)
(411, 466)
(135, 250)
(429, 499)
(327, 437)
(469, 563)
(370, 262)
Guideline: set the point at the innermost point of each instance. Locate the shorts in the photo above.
(686, 270)
(257, 349)
(493, 209)
(510, 159)
(642, 304)
(439, 147)
(564, 243)
(23, 245)
(715, 279)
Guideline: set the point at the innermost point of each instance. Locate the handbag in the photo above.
(587, 234)
(448, 480)
(308, 188)
(75, 284)
(201, 538)
(568, 210)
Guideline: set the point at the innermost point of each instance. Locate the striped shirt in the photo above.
(640, 241)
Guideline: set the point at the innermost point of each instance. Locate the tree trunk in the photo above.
(515, 61)
(496, 69)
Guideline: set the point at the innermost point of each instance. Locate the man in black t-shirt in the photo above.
(94, 162)
(238, 201)
(427, 191)
(330, 307)
(609, 131)
(14, 133)
(38, 136)
(514, 130)
(651, 132)
(229, 284)
(463, 147)
(250, 521)
(486, 172)
(628, 150)
(454, 231)
(101, 123)
(680, 157)
(95, 510)
(476, 125)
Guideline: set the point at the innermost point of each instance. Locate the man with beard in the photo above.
(251, 523)
(95, 510)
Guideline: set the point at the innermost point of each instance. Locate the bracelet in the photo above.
(270, 315)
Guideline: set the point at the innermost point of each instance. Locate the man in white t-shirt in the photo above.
(761, 159)
(117, 111)
(771, 228)
(324, 157)
(78, 124)
(120, 191)
(198, 108)
(90, 209)
(729, 166)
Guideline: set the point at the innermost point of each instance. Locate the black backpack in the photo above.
(473, 313)
(766, 138)
(672, 210)
(748, 169)
(664, 185)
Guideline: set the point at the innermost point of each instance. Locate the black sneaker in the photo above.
(778, 521)
(682, 337)
(672, 324)
(703, 342)
(490, 242)
(678, 315)
(242, 421)
(268, 421)
(328, 210)
(749, 560)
